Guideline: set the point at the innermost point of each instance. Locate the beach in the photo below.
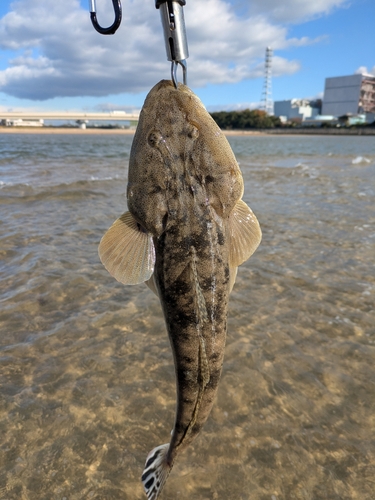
(99, 131)
(366, 131)
(65, 130)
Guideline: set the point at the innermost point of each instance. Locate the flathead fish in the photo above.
(186, 232)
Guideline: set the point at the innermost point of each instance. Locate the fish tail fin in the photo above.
(156, 471)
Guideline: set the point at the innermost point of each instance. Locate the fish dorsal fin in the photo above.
(245, 234)
(127, 251)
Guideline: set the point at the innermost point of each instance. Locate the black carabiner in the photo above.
(116, 23)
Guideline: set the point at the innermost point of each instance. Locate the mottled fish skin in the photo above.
(191, 188)
(184, 189)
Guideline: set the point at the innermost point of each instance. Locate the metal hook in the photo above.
(182, 63)
(172, 18)
(116, 23)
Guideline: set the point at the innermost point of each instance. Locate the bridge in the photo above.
(67, 115)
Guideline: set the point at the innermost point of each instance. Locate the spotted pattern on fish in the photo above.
(187, 230)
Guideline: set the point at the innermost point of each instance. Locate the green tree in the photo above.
(246, 119)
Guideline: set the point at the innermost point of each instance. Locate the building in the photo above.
(296, 110)
(351, 94)
(349, 120)
(19, 122)
(320, 120)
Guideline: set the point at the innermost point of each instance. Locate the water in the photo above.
(86, 372)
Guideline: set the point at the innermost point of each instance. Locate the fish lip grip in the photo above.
(176, 46)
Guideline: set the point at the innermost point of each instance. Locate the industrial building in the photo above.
(351, 94)
(19, 122)
(296, 110)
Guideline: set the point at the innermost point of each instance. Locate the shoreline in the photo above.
(63, 130)
(370, 131)
(96, 131)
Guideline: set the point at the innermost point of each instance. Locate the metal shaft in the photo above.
(172, 18)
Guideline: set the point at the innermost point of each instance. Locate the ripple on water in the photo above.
(86, 370)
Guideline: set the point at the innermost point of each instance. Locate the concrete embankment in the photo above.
(322, 131)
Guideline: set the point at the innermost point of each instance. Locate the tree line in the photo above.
(245, 119)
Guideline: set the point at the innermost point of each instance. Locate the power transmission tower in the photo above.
(266, 100)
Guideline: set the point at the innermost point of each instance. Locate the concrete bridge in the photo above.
(63, 115)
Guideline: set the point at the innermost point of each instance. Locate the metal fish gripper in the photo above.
(173, 22)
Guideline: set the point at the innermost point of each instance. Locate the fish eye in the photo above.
(193, 132)
(154, 138)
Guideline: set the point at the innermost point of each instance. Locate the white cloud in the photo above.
(58, 52)
(238, 106)
(109, 106)
(293, 11)
(362, 70)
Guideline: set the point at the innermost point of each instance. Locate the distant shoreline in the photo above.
(368, 131)
(101, 131)
(65, 130)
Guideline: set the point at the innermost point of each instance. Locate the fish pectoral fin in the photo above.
(152, 285)
(232, 277)
(127, 251)
(245, 234)
(156, 471)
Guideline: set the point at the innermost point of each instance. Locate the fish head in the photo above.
(177, 145)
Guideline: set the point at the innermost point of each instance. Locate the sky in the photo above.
(51, 58)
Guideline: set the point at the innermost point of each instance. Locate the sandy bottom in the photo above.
(87, 382)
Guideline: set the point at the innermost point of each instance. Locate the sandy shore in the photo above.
(119, 131)
(101, 131)
(63, 130)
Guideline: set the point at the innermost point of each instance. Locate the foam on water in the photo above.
(360, 159)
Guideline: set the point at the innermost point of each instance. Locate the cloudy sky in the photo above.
(52, 58)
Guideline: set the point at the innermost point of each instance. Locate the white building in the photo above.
(351, 94)
(19, 122)
(295, 110)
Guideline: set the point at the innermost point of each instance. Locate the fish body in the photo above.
(185, 234)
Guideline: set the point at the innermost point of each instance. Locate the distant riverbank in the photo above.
(322, 131)
(64, 130)
(370, 131)
(102, 131)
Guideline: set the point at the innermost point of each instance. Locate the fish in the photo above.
(185, 233)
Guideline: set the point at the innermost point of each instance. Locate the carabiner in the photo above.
(116, 23)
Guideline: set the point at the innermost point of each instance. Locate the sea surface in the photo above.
(87, 385)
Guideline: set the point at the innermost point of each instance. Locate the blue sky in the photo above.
(51, 57)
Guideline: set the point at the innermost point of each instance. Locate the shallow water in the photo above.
(86, 371)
